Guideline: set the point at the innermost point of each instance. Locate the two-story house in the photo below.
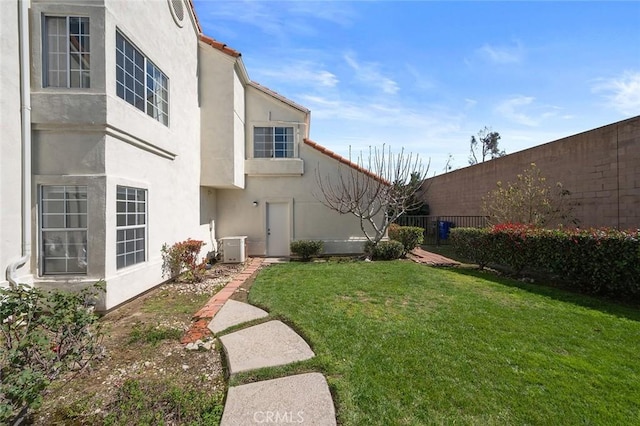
(125, 128)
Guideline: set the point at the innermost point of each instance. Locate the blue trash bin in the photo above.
(443, 229)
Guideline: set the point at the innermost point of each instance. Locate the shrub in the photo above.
(44, 335)
(384, 250)
(599, 261)
(409, 236)
(181, 257)
(307, 248)
(530, 200)
(472, 244)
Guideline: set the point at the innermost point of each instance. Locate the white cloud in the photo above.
(277, 19)
(300, 72)
(368, 73)
(513, 110)
(502, 54)
(526, 111)
(622, 92)
(470, 103)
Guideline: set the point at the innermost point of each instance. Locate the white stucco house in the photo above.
(124, 128)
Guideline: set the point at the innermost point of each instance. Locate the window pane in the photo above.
(53, 221)
(53, 206)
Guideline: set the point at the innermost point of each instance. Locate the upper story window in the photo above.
(67, 56)
(273, 142)
(140, 82)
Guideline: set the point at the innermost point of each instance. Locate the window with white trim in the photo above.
(131, 226)
(63, 230)
(140, 82)
(273, 142)
(66, 52)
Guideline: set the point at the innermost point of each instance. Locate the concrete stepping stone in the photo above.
(303, 399)
(264, 345)
(234, 313)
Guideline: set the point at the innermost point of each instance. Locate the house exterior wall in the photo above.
(600, 167)
(264, 110)
(93, 137)
(309, 218)
(223, 115)
(10, 142)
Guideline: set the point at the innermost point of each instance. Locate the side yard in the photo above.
(146, 376)
(402, 343)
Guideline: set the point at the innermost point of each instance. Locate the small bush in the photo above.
(409, 236)
(307, 248)
(384, 250)
(181, 257)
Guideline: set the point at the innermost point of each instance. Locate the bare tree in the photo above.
(487, 140)
(376, 192)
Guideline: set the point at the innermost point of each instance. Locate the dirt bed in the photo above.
(145, 374)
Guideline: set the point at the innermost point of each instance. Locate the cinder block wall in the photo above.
(600, 167)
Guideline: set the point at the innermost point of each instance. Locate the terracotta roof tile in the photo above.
(195, 15)
(220, 46)
(343, 160)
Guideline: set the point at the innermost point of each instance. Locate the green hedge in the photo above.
(410, 236)
(601, 261)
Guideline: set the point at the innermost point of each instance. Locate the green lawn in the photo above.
(402, 343)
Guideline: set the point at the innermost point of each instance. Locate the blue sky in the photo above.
(426, 75)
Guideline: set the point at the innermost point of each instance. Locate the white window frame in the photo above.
(260, 146)
(58, 225)
(69, 46)
(131, 226)
(140, 82)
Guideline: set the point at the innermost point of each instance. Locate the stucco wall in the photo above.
(222, 111)
(309, 219)
(600, 167)
(10, 141)
(92, 137)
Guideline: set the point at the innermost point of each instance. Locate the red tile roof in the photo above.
(195, 16)
(343, 160)
(220, 46)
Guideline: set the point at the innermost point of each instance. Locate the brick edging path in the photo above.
(199, 327)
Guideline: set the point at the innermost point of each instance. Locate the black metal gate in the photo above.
(436, 228)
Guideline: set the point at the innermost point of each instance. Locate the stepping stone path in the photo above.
(265, 345)
(301, 398)
(234, 313)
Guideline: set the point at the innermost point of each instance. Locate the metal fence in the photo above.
(436, 228)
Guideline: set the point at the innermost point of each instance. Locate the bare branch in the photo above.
(376, 194)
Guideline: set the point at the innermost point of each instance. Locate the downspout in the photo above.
(25, 112)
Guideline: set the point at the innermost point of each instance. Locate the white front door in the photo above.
(277, 229)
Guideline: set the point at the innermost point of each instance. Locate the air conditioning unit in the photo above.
(233, 249)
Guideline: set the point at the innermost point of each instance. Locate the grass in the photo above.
(402, 343)
(153, 335)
